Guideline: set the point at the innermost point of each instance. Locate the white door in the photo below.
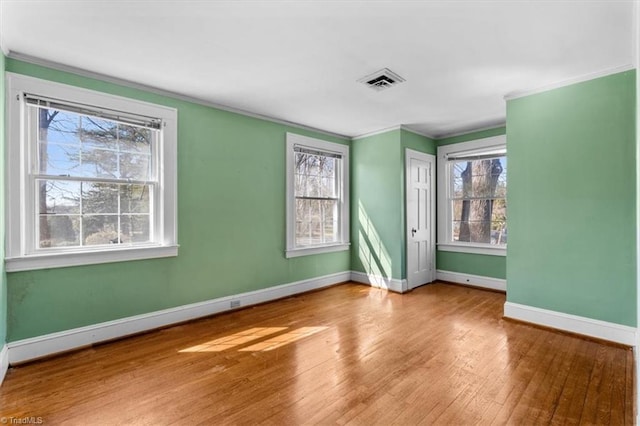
(420, 190)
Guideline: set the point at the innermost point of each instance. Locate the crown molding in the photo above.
(155, 90)
(487, 125)
(417, 132)
(376, 132)
(391, 129)
(574, 80)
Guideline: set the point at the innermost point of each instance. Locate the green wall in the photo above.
(474, 264)
(231, 230)
(572, 199)
(377, 201)
(3, 276)
(232, 200)
(467, 263)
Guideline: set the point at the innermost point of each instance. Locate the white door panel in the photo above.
(420, 210)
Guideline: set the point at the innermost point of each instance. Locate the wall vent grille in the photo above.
(382, 79)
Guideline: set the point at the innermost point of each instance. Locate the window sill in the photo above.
(473, 249)
(62, 260)
(315, 250)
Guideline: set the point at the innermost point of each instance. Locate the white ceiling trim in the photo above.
(494, 125)
(377, 132)
(568, 82)
(426, 135)
(155, 90)
(391, 129)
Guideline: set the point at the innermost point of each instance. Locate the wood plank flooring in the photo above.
(349, 354)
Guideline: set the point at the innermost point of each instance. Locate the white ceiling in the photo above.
(299, 61)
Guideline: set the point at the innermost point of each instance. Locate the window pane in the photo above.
(328, 187)
(58, 159)
(473, 231)
(135, 228)
(499, 212)
(135, 139)
(58, 231)
(100, 229)
(498, 232)
(479, 178)
(134, 199)
(479, 221)
(135, 166)
(316, 222)
(58, 127)
(58, 205)
(58, 197)
(99, 198)
(315, 175)
(457, 187)
(99, 163)
(98, 133)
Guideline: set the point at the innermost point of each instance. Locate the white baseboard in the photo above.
(474, 280)
(586, 326)
(637, 378)
(36, 347)
(4, 362)
(393, 284)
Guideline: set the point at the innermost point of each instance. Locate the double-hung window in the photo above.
(472, 196)
(91, 177)
(317, 196)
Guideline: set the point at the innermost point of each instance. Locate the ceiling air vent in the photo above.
(382, 79)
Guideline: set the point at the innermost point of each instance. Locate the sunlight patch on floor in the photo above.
(283, 339)
(234, 340)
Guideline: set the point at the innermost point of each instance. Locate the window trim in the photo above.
(292, 250)
(474, 147)
(20, 255)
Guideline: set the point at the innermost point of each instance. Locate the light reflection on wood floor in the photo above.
(441, 354)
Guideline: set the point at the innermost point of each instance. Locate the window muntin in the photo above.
(94, 178)
(99, 186)
(472, 196)
(317, 196)
(478, 200)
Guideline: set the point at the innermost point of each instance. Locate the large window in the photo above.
(472, 196)
(317, 196)
(91, 177)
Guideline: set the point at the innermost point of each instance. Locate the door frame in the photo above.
(431, 159)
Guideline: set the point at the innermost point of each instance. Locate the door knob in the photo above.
(413, 232)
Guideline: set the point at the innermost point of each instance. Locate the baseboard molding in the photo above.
(49, 344)
(636, 377)
(575, 324)
(473, 280)
(393, 284)
(4, 362)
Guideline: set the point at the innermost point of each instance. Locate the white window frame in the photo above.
(476, 147)
(293, 140)
(20, 210)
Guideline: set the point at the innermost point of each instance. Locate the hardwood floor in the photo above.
(441, 354)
